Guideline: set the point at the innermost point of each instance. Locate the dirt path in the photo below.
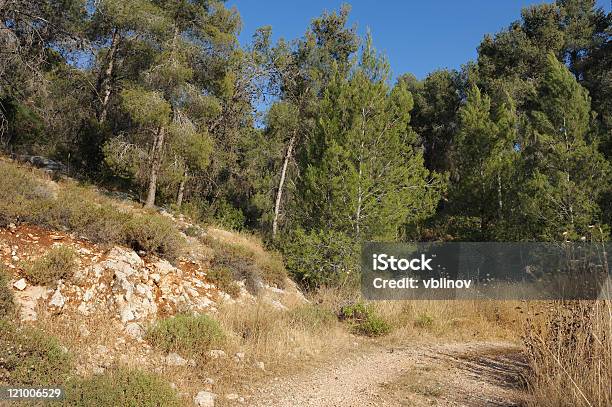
(465, 374)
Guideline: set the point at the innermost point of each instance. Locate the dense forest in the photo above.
(158, 98)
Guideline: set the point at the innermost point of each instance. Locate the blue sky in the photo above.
(417, 36)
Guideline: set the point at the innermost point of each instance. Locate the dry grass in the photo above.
(245, 257)
(569, 347)
(29, 196)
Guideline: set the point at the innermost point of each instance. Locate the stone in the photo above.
(260, 365)
(174, 359)
(134, 331)
(209, 381)
(216, 354)
(57, 300)
(127, 315)
(231, 396)
(20, 284)
(204, 399)
(239, 356)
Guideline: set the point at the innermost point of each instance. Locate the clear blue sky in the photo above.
(417, 36)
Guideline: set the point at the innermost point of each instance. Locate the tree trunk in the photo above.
(281, 183)
(500, 203)
(105, 88)
(155, 165)
(181, 190)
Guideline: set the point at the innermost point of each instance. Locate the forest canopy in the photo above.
(158, 98)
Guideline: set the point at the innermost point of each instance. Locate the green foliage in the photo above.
(58, 263)
(244, 263)
(223, 278)
(31, 357)
(146, 108)
(154, 233)
(120, 388)
(320, 258)
(364, 320)
(424, 321)
(362, 164)
(186, 334)
(7, 304)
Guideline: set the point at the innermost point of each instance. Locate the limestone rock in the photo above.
(20, 284)
(205, 399)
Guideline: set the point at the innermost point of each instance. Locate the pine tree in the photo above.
(568, 174)
(365, 176)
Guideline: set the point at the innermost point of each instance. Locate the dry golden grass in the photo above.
(569, 348)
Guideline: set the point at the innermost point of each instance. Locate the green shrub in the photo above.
(58, 263)
(78, 209)
(7, 304)
(312, 317)
(186, 334)
(120, 388)
(31, 357)
(224, 280)
(424, 321)
(320, 258)
(154, 233)
(364, 320)
(247, 265)
(229, 216)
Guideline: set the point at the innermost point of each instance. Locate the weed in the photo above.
(186, 334)
(7, 304)
(57, 263)
(120, 388)
(29, 356)
(364, 320)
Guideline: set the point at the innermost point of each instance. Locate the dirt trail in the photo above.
(464, 374)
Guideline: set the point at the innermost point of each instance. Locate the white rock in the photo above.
(216, 354)
(127, 315)
(174, 359)
(239, 356)
(134, 330)
(209, 381)
(231, 396)
(205, 399)
(20, 284)
(57, 300)
(260, 365)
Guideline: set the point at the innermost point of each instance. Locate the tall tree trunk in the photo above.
(281, 183)
(105, 88)
(155, 166)
(181, 190)
(500, 203)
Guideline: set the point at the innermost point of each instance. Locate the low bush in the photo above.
(320, 258)
(120, 388)
(186, 334)
(154, 233)
(247, 264)
(364, 320)
(29, 356)
(7, 304)
(224, 280)
(58, 263)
